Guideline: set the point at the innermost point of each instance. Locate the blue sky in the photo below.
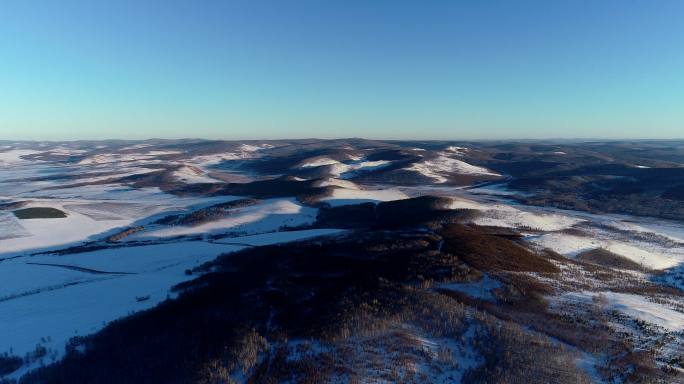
(380, 69)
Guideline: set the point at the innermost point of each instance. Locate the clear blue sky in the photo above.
(380, 69)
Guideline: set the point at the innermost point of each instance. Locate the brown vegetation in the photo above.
(492, 253)
(606, 258)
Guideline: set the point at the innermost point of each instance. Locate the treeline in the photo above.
(204, 215)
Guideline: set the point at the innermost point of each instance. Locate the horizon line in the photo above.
(576, 139)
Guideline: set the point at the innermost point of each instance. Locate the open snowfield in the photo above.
(86, 220)
(245, 151)
(56, 232)
(502, 215)
(634, 306)
(329, 182)
(651, 255)
(318, 162)
(100, 193)
(345, 196)
(77, 309)
(13, 156)
(51, 317)
(345, 170)
(670, 230)
(191, 175)
(48, 299)
(438, 168)
(10, 227)
(19, 278)
(268, 216)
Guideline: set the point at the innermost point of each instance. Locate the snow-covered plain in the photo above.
(44, 233)
(51, 317)
(87, 218)
(47, 299)
(14, 156)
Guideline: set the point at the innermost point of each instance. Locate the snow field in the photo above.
(344, 170)
(634, 306)
(13, 156)
(267, 216)
(48, 305)
(344, 196)
(649, 255)
(192, 175)
(437, 168)
(501, 215)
